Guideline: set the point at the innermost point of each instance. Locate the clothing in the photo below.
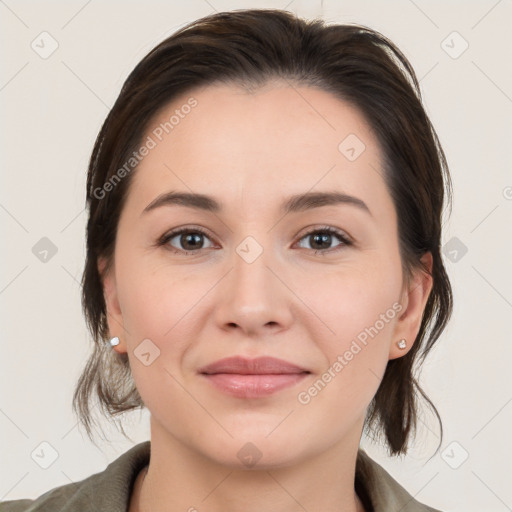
(110, 490)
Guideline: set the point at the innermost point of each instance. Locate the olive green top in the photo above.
(110, 490)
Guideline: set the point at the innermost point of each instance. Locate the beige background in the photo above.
(52, 109)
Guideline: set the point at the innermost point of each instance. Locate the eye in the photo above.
(188, 239)
(320, 239)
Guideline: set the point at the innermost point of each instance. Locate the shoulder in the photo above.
(108, 490)
(385, 493)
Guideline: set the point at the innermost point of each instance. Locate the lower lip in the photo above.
(253, 386)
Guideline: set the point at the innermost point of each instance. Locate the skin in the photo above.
(250, 151)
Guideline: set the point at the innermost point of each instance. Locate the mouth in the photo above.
(252, 378)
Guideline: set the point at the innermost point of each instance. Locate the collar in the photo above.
(111, 489)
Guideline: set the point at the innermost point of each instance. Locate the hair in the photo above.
(251, 48)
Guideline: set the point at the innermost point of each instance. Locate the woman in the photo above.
(263, 254)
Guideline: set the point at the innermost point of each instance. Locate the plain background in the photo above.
(52, 109)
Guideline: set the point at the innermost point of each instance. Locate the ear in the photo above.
(114, 314)
(414, 300)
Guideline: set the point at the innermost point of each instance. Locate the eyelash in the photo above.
(326, 229)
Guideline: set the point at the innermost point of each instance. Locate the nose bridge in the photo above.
(252, 297)
(252, 277)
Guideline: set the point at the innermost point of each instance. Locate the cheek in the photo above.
(352, 299)
(153, 298)
(360, 317)
(157, 305)
(363, 310)
(358, 309)
(157, 312)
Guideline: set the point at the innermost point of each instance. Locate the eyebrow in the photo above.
(293, 204)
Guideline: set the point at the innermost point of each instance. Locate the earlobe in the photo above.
(409, 322)
(113, 309)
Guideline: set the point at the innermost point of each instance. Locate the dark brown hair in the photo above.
(251, 48)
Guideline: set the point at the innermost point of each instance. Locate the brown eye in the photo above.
(186, 240)
(321, 240)
(191, 241)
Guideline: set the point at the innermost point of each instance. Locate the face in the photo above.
(257, 270)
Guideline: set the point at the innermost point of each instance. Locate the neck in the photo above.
(324, 482)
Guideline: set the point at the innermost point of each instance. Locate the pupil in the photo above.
(187, 237)
(323, 238)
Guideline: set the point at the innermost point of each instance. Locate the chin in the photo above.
(252, 449)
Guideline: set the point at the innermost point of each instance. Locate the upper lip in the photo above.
(258, 366)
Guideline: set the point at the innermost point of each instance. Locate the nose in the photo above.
(254, 298)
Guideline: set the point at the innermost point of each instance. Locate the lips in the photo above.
(252, 378)
(258, 366)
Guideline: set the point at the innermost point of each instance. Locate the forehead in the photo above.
(275, 141)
